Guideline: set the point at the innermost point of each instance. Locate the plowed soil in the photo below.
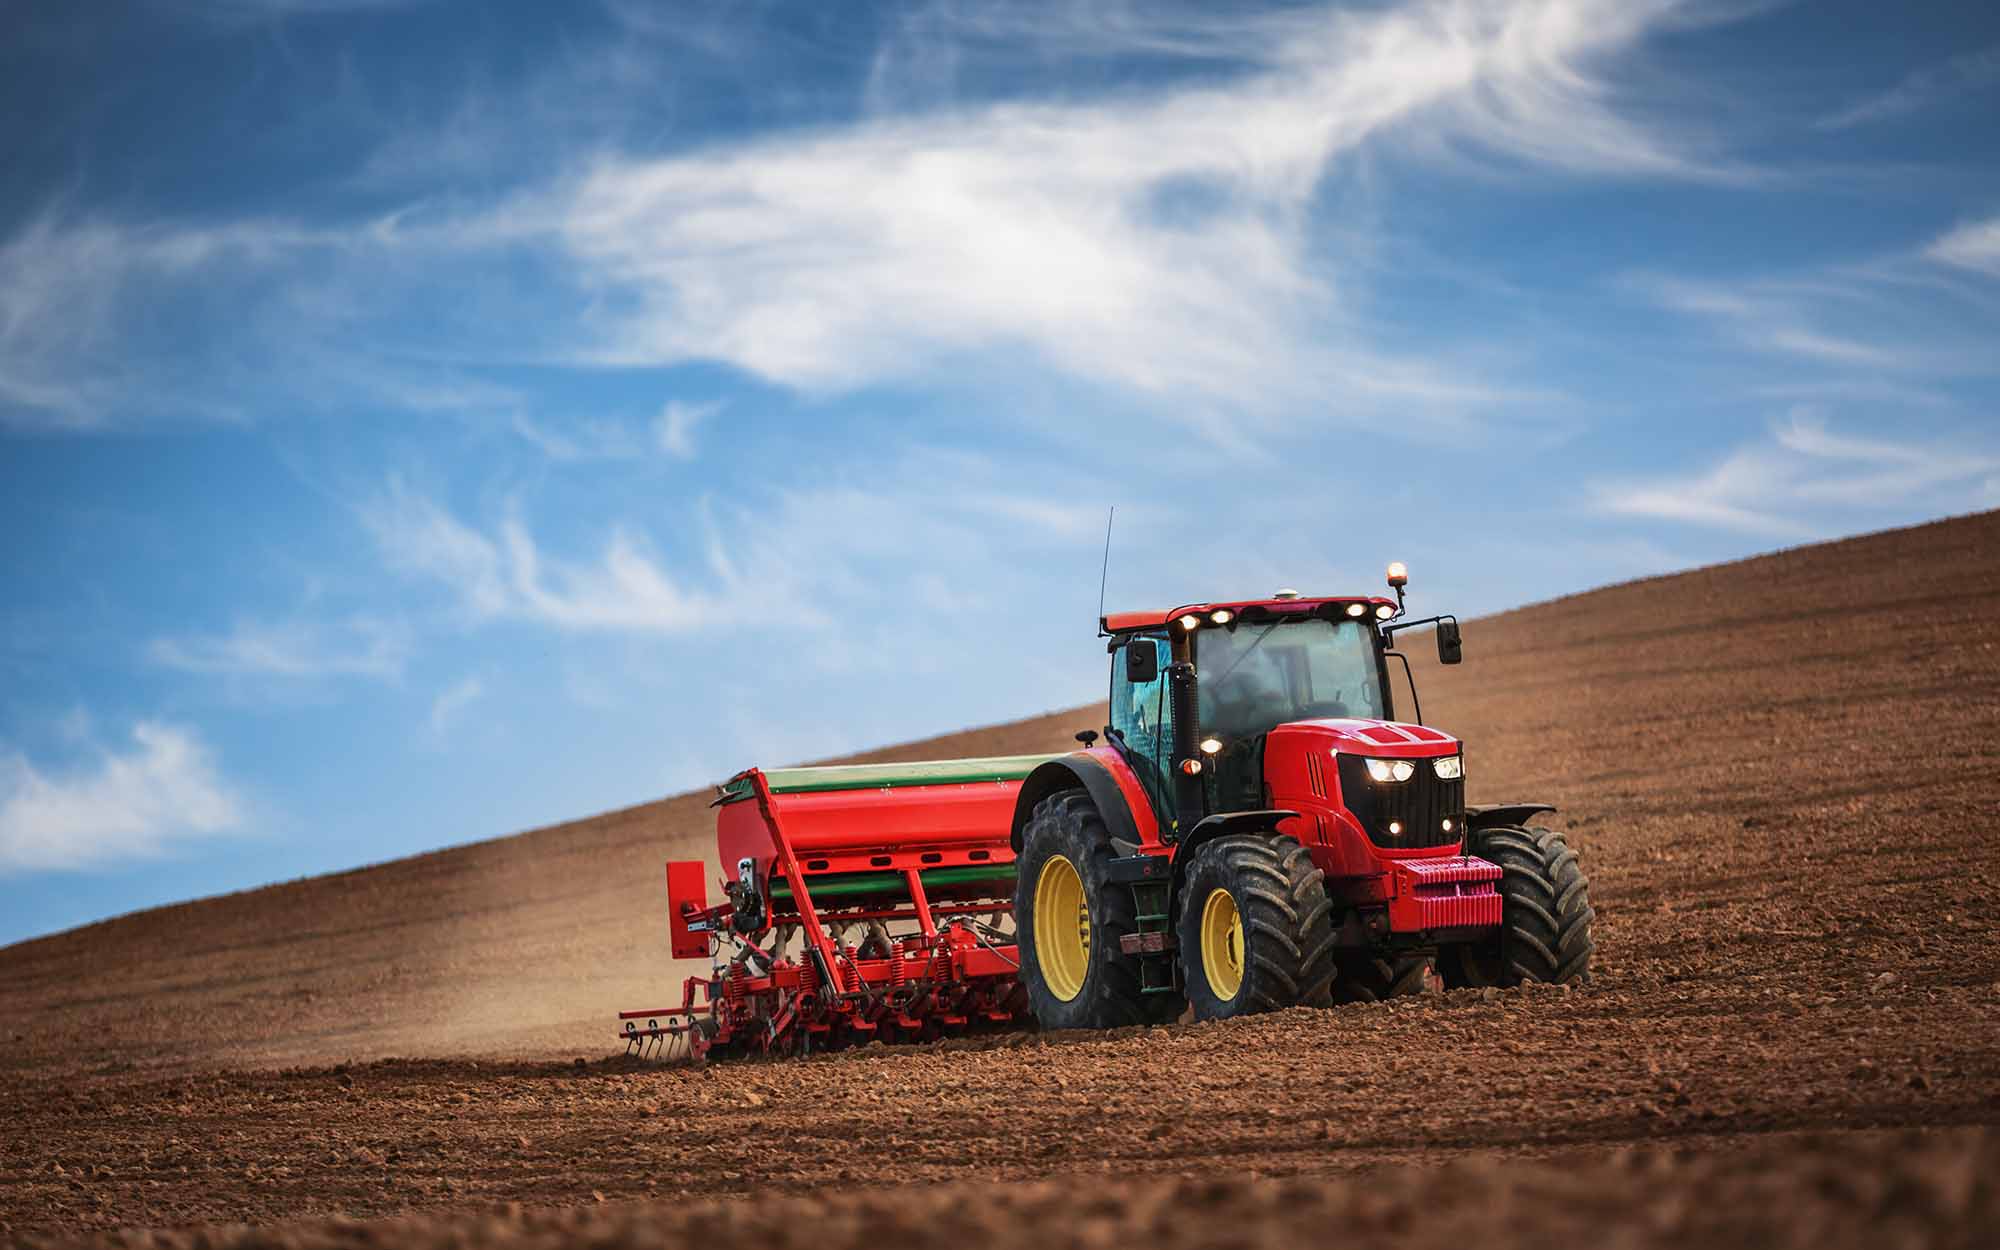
(1781, 775)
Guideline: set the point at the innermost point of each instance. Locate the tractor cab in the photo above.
(1196, 692)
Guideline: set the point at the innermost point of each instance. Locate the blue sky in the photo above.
(423, 421)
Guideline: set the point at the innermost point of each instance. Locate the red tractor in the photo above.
(1253, 830)
(1257, 830)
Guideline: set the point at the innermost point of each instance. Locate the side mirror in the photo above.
(1142, 662)
(1450, 649)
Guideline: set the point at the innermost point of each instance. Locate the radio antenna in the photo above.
(1104, 574)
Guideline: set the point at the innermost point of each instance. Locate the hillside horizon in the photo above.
(941, 745)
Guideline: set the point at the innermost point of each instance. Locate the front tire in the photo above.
(1068, 919)
(1372, 976)
(1546, 917)
(1255, 928)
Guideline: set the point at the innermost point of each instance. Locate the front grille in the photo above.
(1419, 806)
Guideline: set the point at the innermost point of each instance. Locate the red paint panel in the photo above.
(687, 890)
(885, 829)
(1122, 622)
(1143, 819)
(1379, 738)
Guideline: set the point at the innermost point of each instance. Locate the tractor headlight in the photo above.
(1450, 767)
(1387, 771)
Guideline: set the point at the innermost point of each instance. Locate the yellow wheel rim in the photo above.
(1062, 928)
(1222, 944)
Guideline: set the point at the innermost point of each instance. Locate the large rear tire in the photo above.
(1546, 917)
(1255, 928)
(1068, 919)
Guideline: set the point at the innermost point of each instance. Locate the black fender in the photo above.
(1495, 815)
(1074, 771)
(1221, 825)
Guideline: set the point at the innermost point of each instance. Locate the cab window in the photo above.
(1142, 716)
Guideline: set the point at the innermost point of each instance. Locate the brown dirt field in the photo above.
(1781, 775)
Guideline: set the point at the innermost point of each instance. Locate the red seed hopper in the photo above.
(860, 902)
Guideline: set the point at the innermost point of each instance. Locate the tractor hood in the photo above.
(1386, 738)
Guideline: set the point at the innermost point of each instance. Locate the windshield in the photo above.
(1256, 677)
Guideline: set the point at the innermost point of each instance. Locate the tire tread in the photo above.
(1286, 913)
(1547, 917)
(1071, 819)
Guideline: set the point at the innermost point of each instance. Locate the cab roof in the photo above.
(1304, 605)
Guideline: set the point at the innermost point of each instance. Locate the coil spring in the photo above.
(808, 995)
(736, 987)
(898, 976)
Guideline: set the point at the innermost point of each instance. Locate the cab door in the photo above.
(1142, 718)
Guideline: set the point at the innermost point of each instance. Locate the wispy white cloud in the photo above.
(1156, 243)
(1728, 496)
(1105, 29)
(1974, 245)
(674, 430)
(291, 650)
(1846, 390)
(131, 803)
(418, 536)
(576, 441)
(1856, 321)
(1961, 75)
(66, 287)
(452, 701)
(1787, 485)
(849, 536)
(506, 573)
(1771, 320)
(1157, 240)
(625, 588)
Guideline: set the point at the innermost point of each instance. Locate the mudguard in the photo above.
(1221, 825)
(1225, 823)
(1068, 772)
(1490, 815)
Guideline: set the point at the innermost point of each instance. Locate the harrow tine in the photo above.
(658, 1043)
